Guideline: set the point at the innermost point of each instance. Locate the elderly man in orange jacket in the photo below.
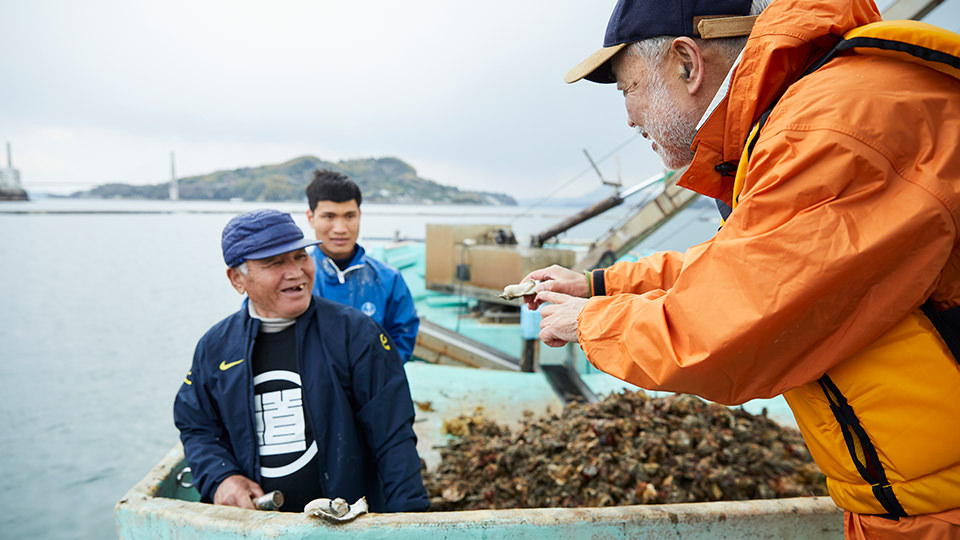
(834, 158)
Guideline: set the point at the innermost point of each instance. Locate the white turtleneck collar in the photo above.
(269, 326)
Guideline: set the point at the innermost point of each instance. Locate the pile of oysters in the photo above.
(626, 449)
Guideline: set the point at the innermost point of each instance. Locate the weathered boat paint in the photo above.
(156, 508)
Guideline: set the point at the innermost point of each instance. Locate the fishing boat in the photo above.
(473, 351)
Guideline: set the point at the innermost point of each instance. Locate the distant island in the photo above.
(382, 180)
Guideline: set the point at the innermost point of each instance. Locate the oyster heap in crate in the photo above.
(627, 449)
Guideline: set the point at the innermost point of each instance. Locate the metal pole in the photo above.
(910, 9)
(577, 219)
(174, 188)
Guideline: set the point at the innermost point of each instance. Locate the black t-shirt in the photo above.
(288, 451)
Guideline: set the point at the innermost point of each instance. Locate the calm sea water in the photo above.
(102, 304)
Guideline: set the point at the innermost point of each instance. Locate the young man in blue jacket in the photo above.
(345, 273)
(294, 392)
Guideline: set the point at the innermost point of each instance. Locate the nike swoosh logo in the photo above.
(225, 366)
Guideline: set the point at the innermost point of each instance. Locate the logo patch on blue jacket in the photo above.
(368, 309)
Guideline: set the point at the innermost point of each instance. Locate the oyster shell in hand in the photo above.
(519, 290)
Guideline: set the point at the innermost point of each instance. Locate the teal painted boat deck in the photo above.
(446, 392)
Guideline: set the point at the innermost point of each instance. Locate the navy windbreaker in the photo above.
(357, 399)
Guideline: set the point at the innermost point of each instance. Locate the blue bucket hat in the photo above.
(637, 20)
(259, 234)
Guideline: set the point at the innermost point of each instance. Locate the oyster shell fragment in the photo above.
(519, 290)
(336, 509)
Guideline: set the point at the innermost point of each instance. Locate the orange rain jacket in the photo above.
(847, 223)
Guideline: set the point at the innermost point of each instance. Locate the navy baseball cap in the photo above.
(637, 20)
(259, 234)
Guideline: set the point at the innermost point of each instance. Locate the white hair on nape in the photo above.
(758, 6)
(653, 51)
(242, 267)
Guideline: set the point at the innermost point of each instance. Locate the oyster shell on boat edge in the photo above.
(336, 509)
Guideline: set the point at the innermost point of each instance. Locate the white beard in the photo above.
(670, 129)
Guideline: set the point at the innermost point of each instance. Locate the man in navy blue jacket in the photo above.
(295, 392)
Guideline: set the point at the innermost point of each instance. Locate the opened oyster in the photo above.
(336, 509)
(519, 290)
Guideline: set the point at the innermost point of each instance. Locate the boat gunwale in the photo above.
(143, 499)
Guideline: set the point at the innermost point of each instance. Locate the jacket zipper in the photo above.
(341, 275)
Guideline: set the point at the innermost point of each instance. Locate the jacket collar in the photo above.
(309, 312)
(331, 270)
(254, 323)
(788, 36)
(355, 260)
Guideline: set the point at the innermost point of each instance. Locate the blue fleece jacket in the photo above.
(354, 389)
(375, 289)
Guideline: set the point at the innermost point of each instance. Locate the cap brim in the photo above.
(280, 249)
(596, 67)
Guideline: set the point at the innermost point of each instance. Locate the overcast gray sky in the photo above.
(469, 93)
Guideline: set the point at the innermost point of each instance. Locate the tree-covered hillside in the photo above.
(382, 180)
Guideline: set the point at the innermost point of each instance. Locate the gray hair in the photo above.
(242, 267)
(653, 51)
